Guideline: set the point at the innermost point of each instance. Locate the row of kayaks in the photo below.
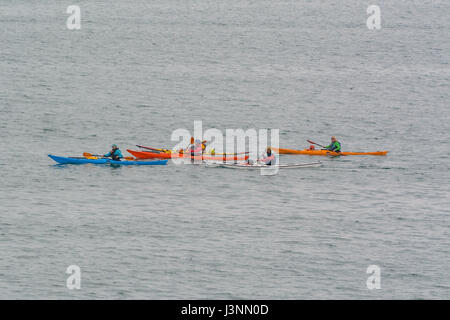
(222, 160)
(80, 160)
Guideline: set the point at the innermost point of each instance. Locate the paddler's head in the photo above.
(114, 147)
(192, 140)
(333, 139)
(311, 147)
(269, 150)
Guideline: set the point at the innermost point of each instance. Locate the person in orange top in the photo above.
(189, 147)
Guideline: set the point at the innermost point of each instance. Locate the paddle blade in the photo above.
(312, 142)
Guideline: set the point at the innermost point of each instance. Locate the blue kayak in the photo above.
(66, 160)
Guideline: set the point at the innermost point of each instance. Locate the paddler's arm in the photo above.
(265, 160)
(261, 160)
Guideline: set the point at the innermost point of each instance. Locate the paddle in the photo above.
(339, 153)
(153, 149)
(87, 154)
(316, 143)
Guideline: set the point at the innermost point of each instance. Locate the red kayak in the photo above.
(164, 155)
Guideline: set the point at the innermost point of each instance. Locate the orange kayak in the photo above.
(163, 155)
(327, 153)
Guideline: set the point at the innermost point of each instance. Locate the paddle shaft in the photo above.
(87, 154)
(338, 153)
(316, 143)
(148, 148)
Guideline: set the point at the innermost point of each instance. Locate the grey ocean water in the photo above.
(137, 70)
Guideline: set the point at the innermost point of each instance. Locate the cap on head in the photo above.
(114, 146)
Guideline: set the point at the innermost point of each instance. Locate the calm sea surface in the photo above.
(138, 70)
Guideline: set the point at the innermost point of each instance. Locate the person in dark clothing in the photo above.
(115, 153)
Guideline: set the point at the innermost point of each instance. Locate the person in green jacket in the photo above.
(334, 146)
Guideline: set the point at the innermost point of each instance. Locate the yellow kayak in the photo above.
(327, 153)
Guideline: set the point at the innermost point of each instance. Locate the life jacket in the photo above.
(115, 156)
(336, 145)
